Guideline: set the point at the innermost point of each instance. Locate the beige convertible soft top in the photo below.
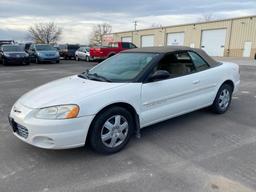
(169, 49)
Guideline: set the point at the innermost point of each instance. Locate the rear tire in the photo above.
(58, 61)
(111, 130)
(223, 99)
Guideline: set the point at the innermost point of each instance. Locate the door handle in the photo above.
(196, 81)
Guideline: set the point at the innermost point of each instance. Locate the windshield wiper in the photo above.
(95, 76)
(84, 75)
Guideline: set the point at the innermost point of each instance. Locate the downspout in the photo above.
(230, 36)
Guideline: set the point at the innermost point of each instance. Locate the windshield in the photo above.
(122, 67)
(13, 48)
(45, 48)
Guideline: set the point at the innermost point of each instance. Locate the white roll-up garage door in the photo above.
(127, 39)
(213, 41)
(147, 41)
(175, 39)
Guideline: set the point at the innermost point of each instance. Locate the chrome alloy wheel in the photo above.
(114, 131)
(224, 99)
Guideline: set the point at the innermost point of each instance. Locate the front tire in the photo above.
(111, 130)
(37, 61)
(87, 59)
(4, 61)
(223, 99)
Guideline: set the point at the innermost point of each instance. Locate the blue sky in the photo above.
(77, 17)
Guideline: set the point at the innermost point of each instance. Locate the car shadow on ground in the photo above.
(163, 128)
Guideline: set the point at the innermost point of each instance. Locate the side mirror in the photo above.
(159, 75)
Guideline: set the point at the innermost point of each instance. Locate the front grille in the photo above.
(19, 129)
(22, 131)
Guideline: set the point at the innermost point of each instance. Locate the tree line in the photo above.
(50, 33)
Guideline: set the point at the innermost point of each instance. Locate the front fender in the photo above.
(129, 94)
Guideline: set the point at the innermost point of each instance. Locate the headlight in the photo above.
(58, 112)
(39, 54)
(6, 54)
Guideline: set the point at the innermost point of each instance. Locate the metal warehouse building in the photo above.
(230, 37)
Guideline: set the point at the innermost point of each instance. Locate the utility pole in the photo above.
(135, 25)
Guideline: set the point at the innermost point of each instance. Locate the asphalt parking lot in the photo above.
(197, 152)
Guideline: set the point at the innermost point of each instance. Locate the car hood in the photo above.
(69, 90)
(16, 53)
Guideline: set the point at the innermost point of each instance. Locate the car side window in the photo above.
(177, 64)
(126, 45)
(199, 63)
(132, 46)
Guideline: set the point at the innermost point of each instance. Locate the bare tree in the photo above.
(207, 17)
(98, 32)
(45, 33)
(156, 25)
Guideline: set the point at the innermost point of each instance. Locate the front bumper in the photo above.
(49, 134)
(17, 60)
(48, 59)
(67, 54)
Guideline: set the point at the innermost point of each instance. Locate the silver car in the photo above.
(83, 53)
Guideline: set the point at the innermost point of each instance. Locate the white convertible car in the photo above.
(118, 97)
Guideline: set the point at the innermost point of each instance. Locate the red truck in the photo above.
(110, 50)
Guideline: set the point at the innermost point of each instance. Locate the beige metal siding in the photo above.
(243, 30)
(239, 31)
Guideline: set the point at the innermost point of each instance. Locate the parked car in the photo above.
(39, 53)
(121, 95)
(6, 42)
(13, 54)
(67, 51)
(27, 46)
(57, 47)
(110, 50)
(83, 53)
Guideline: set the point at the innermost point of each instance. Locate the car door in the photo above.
(83, 53)
(208, 79)
(173, 96)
